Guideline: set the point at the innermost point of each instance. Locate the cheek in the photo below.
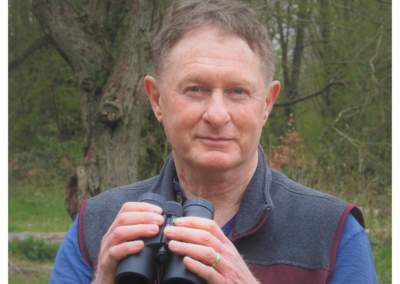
(181, 114)
(249, 122)
(252, 111)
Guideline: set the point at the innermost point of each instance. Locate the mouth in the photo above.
(215, 140)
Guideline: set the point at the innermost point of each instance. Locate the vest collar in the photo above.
(256, 198)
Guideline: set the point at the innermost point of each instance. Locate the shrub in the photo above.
(33, 249)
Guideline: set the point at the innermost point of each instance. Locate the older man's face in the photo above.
(213, 100)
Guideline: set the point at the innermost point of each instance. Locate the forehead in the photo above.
(213, 47)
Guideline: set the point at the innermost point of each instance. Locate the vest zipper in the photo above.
(256, 228)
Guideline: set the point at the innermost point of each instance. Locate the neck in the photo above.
(223, 188)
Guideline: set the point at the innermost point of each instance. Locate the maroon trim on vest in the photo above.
(287, 274)
(236, 236)
(80, 235)
(234, 233)
(335, 245)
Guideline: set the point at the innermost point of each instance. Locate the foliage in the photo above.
(347, 43)
(43, 98)
(343, 177)
(344, 49)
(154, 147)
(33, 249)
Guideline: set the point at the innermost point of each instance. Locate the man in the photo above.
(213, 92)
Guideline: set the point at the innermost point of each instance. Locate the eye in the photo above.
(238, 91)
(196, 92)
(194, 89)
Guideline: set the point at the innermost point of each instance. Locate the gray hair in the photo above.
(229, 16)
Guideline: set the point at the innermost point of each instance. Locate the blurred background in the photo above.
(80, 124)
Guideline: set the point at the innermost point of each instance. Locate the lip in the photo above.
(215, 140)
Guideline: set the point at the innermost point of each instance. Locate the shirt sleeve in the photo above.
(354, 263)
(69, 266)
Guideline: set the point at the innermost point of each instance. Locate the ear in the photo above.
(153, 92)
(273, 93)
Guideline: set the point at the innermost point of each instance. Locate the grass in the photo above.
(36, 207)
(33, 272)
(383, 261)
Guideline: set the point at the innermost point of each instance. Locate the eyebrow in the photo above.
(200, 79)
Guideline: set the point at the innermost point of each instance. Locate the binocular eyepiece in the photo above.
(141, 268)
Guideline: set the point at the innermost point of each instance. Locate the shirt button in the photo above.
(179, 199)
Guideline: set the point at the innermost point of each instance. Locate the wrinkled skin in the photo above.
(200, 240)
(134, 220)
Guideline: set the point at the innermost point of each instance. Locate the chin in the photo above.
(216, 161)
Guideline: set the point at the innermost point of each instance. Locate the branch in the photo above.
(71, 41)
(290, 17)
(353, 141)
(317, 93)
(371, 62)
(40, 42)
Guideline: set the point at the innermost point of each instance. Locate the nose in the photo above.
(216, 113)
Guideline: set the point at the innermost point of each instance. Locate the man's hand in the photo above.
(200, 240)
(134, 220)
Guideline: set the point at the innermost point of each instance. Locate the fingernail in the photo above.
(168, 230)
(156, 209)
(158, 218)
(173, 244)
(178, 221)
(189, 260)
(138, 244)
(153, 229)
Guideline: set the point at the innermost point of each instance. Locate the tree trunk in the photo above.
(110, 76)
(291, 81)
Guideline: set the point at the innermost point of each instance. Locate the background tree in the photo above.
(335, 65)
(107, 45)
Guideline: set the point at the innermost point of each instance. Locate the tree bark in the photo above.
(291, 78)
(110, 79)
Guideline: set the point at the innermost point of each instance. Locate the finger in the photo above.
(202, 224)
(123, 216)
(140, 207)
(120, 251)
(126, 233)
(204, 271)
(108, 259)
(207, 255)
(194, 236)
(133, 218)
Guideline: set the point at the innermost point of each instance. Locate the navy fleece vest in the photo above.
(286, 232)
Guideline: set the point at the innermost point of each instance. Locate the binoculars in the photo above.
(141, 268)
